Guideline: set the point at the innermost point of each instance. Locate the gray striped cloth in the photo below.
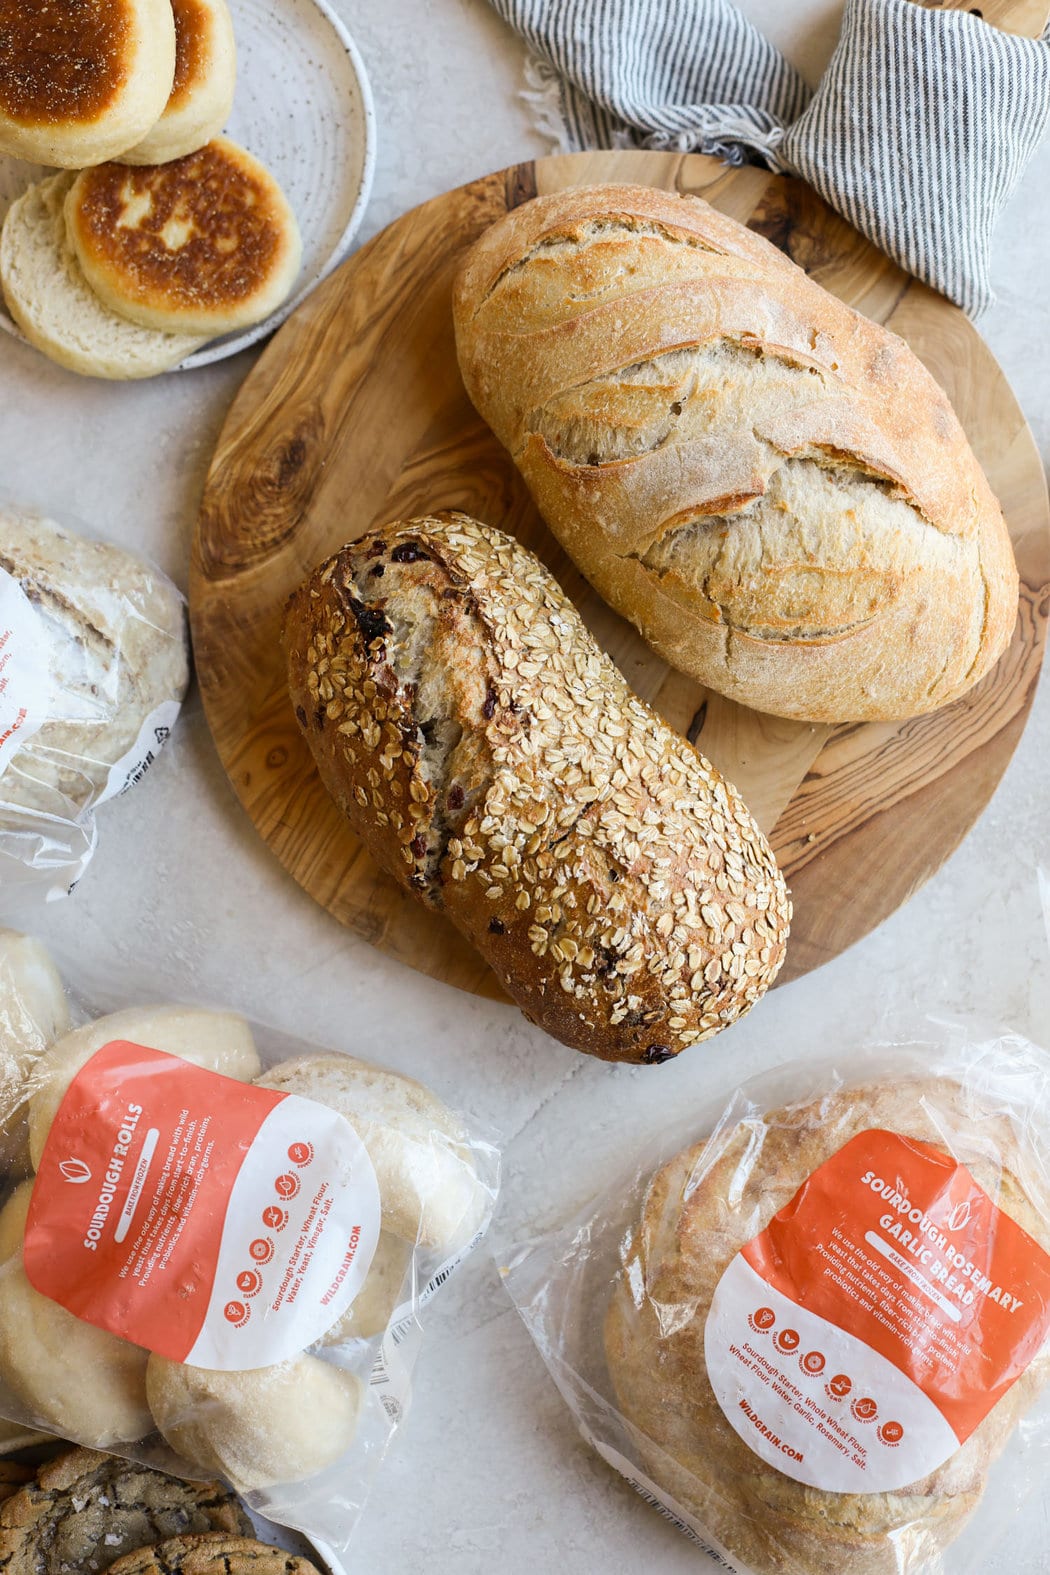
(918, 132)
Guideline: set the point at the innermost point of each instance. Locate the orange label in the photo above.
(869, 1329)
(204, 1218)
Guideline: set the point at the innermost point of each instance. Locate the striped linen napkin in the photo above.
(918, 132)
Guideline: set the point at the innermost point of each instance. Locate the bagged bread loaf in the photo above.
(494, 761)
(811, 1332)
(772, 488)
(219, 1262)
(95, 662)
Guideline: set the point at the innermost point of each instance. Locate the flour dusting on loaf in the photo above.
(494, 761)
(770, 486)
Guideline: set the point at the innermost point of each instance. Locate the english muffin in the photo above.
(49, 298)
(82, 81)
(205, 76)
(203, 245)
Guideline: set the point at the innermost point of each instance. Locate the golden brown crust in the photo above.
(772, 487)
(693, 1222)
(494, 761)
(64, 63)
(193, 31)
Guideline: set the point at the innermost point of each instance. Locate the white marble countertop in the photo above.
(488, 1471)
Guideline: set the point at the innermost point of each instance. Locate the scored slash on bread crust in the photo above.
(85, 1510)
(695, 1216)
(770, 486)
(204, 244)
(82, 80)
(212, 1555)
(496, 763)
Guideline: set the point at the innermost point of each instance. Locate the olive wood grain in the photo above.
(356, 414)
(1025, 18)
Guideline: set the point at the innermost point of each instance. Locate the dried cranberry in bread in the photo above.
(495, 762)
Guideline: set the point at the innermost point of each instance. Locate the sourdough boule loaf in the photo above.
(495, 762)
(697, 1212)
(772, 488)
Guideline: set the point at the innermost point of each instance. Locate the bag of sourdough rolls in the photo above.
(808, 1329)
(215, 1241)
(94, 664)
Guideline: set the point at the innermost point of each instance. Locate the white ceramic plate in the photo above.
(304, 107)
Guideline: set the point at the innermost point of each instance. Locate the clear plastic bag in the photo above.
(813, 1328)
(266, 1218)
(94, 665)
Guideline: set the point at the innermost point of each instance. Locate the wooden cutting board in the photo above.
(356, 415)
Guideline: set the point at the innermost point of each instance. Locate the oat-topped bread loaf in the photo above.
(771, 487)
(203, 245)
(697, 1213)
(205, 78)
(81, 80)
(85, 1511)
(495, 762)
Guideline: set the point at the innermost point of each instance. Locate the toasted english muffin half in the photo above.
(204, 245)
(49, 298)
(205, 77)
(83, 80)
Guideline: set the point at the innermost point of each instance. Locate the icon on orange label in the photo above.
(812, 1363)
(236, 1313)
(891, 1433)
(301, 1153)
(261, 1249)
(839, 1386)
(787, 1340)
(274, 1217)
(865, 1409)
(286, 1186)
(249, 1282)
(763, 1318)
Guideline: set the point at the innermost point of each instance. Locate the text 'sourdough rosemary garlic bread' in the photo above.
(696, 1307)
(496, 763)
(81, 82)
(770, 486)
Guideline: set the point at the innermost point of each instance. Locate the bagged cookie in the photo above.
(808, 1329)
(94, 664)
(215, 1242)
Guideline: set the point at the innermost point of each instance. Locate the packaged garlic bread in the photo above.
(216, 1242)
(94, 665)
(813, 1330)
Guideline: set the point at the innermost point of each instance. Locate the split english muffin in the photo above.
(82, 81)
(205, 78)
(204, 245)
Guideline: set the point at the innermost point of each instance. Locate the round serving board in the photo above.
(356, 415)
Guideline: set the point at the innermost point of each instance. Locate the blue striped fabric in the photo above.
(917, 134)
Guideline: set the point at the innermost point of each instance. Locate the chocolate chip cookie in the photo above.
(85, 1510)
(212, 1555)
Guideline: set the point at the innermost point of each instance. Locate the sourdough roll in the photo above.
(205, 78)
(82, 80)
(56, 309)
(494, 761)
(773, 489)
(203, 245)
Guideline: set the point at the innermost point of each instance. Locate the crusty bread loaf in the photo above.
(82, 81)
(771, 487)
(203, 245)
(205, 78)
(56, 309)
(34, 1012)
(694, 1220)
(257, 1428)
(494, 761)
